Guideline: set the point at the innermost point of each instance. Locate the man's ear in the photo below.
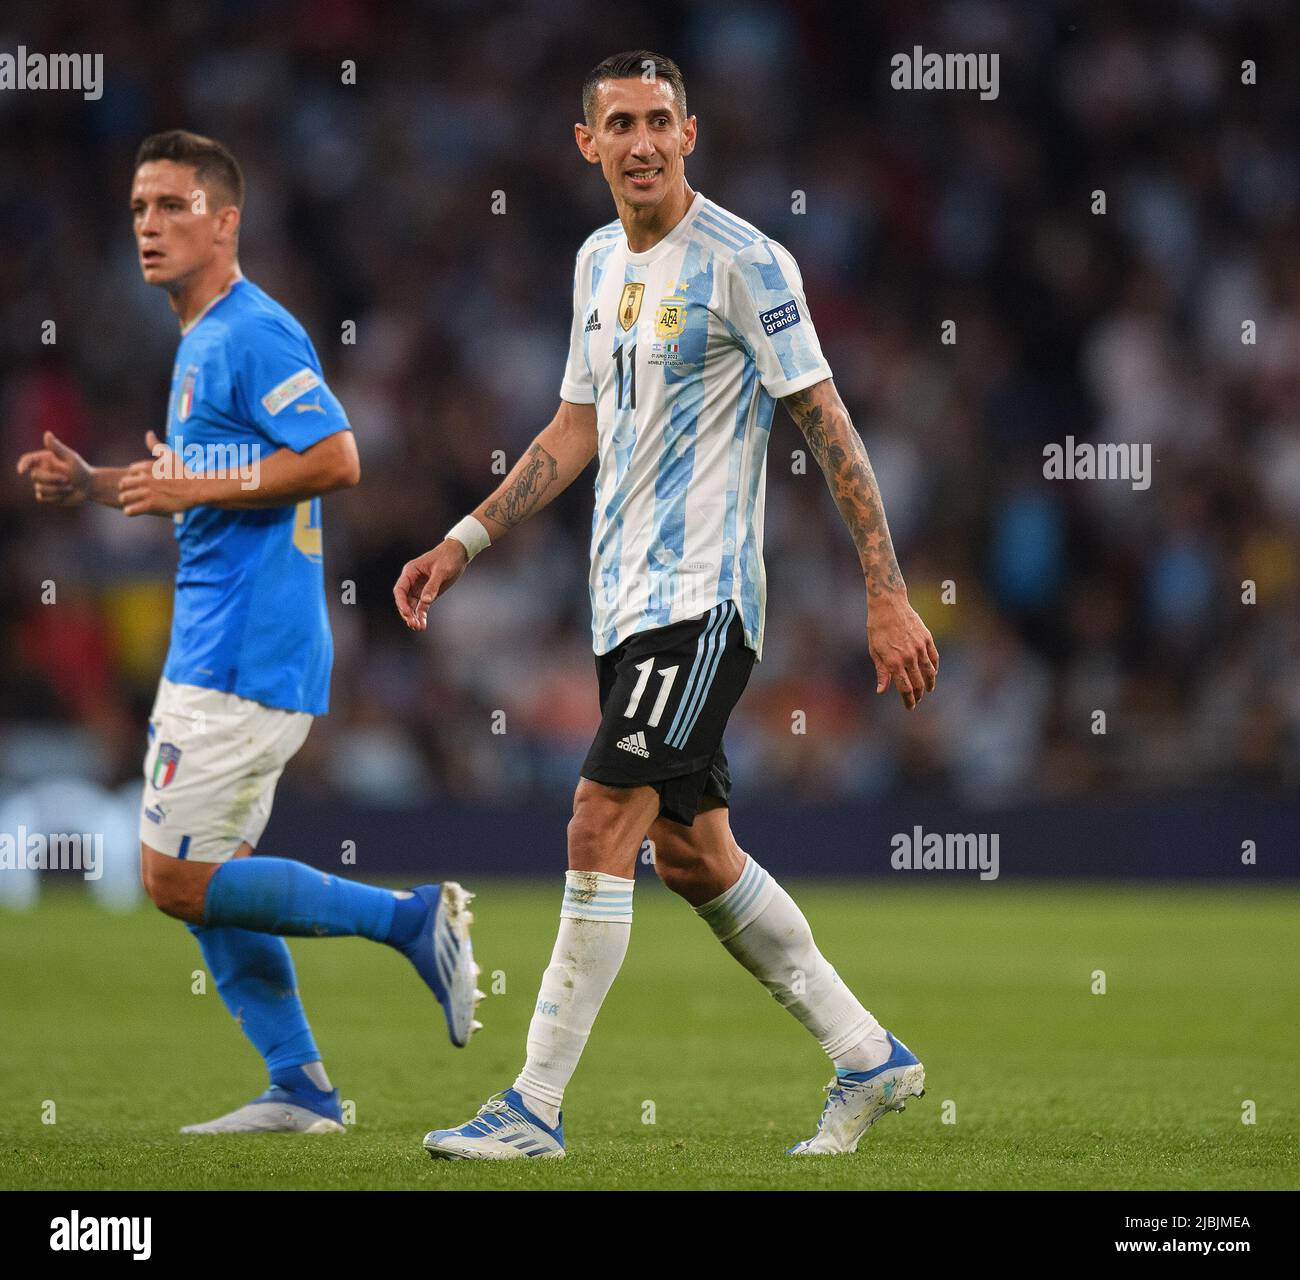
(586, 141)
(228, 222)
(688, 135)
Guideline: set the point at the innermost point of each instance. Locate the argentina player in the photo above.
(688, 325)
(249, 661)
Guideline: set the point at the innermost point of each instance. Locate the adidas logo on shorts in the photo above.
(635, 743)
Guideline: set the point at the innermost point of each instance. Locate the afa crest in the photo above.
(629, 304)
(670, 319)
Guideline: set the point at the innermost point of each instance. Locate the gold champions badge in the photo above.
(629, 305)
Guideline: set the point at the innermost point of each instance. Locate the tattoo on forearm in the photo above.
(521, 496)
(843, 459)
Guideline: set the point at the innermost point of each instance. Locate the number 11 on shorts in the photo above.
(666, 676)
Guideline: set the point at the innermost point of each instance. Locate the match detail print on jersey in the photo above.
(711, 327)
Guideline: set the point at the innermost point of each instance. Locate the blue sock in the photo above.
(254, 976)
(296, 1080)
(275, 895)
(408, 919)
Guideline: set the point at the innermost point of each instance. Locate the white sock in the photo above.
(759, 923)
(595, 926)
(315, 1072)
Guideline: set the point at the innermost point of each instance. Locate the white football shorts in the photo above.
(211, 769)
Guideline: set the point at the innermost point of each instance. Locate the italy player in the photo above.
(688, 325)
(257, 438)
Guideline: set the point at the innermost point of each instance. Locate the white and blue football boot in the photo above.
(443, 957)
(504, 1129)
(857, 1099)
(280, 1110)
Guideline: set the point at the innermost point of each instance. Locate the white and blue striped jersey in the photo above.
(684, 349)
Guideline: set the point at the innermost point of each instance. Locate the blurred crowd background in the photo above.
(372, 203)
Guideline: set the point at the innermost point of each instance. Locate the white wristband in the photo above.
(471, 534)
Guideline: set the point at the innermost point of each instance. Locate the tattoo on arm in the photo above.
(519, 499)
(821, 416)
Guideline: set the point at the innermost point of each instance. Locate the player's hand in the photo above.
(59, 475)
(902, 648)
(425, 578)
(160, 485)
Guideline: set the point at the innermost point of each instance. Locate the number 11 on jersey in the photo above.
(631, 368)
(666, 676)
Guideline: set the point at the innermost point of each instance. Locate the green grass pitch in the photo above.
(1049, 1085)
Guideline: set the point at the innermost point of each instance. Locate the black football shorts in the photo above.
(665, 696)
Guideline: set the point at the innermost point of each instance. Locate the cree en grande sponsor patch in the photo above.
(779, 318)
(289, 390)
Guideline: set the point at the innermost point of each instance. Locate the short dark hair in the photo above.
(213, 163)
(635, 64)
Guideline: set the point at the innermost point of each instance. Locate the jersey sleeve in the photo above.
(768, 312)
(578, 387)
(281, 389)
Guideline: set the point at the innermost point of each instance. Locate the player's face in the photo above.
(178, 231)
(639, 140)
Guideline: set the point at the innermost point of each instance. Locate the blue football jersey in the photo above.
(249, 615)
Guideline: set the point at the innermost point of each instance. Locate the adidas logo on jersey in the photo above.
(635, 743)
(593, 324)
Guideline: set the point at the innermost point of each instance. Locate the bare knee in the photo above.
(176, 888)
(676, 862)
(695, 875)
(606, 830)
(590, 835)
(699, 862)
(590, 814)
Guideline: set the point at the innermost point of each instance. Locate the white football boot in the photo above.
(857, 1099)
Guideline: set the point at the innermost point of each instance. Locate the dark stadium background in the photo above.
(373, 204)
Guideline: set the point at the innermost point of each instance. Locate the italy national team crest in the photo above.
(164, 765)
(185, 401)
(670, 319)
(629, 304)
